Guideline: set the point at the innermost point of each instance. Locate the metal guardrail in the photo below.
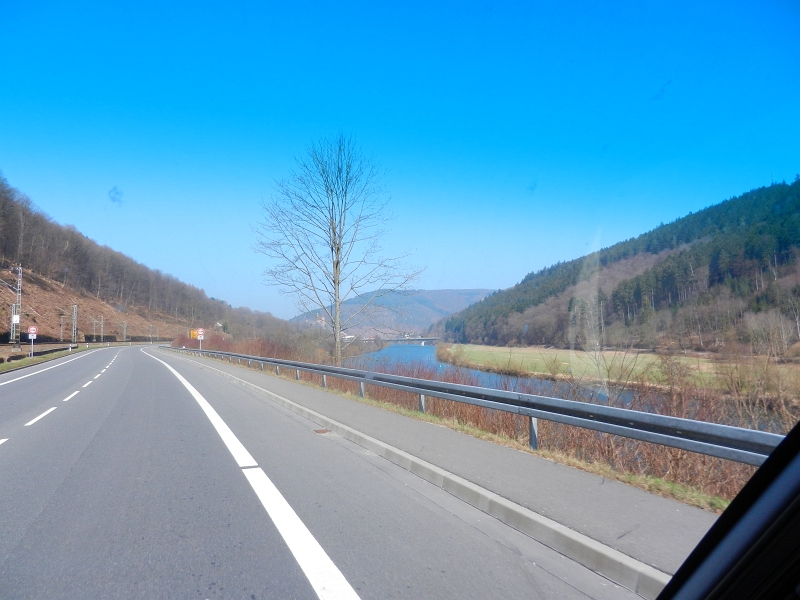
(723, 441)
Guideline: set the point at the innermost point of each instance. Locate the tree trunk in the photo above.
(337, 314)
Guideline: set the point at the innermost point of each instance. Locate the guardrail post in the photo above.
(324, 381)
(277, 370)
(534, 432)
(422, 403)
(248, 364)
(262, 366)
(361, 388)
(297, 374)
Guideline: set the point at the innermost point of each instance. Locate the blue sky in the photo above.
(514, 135)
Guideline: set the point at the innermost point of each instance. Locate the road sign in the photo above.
(201, 337)
(33, 329)
(31, 336)
(201, 332)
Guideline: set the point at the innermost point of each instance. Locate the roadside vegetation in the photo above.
(27, 361)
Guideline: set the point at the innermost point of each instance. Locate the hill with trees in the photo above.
(62, 266)
(727, 274)
(412, 311)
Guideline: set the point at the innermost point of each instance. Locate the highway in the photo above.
(133, 473)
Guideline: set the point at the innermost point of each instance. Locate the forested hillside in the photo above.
(66, 258)
(395, 313)
(728, 273)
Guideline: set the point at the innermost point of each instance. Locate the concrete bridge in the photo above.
(422, 341)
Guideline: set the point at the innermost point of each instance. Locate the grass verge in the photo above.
(29, 362)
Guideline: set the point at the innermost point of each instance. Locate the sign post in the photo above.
(200, 335)
(32, 331)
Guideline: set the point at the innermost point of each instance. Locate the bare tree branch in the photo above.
(322, 230)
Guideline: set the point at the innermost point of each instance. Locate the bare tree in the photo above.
(323, 228)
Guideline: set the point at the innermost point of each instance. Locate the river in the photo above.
(409, 354)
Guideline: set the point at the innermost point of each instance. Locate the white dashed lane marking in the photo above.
(48, 368)
(72, 395)
(87, 383)
(44, 414)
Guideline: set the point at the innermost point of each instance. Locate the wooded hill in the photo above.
(396, 313)
(726, 274)
(58, 256)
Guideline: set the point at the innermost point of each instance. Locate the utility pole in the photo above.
(16, 309)
(61, 330)
(74, 323)
(124, 330)
(101, 329)
(94, 328)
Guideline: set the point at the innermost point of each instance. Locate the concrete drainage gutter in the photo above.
(620, 568)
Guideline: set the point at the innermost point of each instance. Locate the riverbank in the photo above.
(726, 373)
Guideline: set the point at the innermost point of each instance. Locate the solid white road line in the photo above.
(240, 453)
(44, 414)
(72, 395)
(87, 384)
(324, 576)
(3, 440)
(48, 368)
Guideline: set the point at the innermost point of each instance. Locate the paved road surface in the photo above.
(121, 477)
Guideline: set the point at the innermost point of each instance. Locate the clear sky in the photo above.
(514, 134)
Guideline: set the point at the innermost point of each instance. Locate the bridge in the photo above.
(422, 341)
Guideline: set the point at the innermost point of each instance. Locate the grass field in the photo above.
(614, 365)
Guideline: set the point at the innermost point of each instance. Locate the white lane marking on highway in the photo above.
(44, 414)
(103, 371)
(86, 384)
(324, 576)
(72, 395)
(3, 440)
(96, 376)
(48, 368)
(240, 453)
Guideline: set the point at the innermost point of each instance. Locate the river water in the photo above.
(409, 354)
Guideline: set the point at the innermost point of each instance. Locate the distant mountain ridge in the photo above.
(661, 285)
(400, 312)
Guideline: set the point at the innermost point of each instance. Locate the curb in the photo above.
(644, 580)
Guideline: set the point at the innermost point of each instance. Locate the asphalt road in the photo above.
(131, 473)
